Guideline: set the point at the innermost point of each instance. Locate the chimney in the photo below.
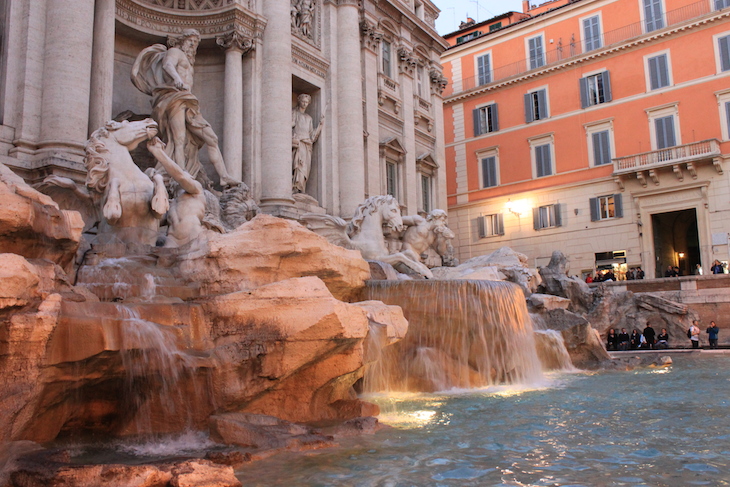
(525, 6)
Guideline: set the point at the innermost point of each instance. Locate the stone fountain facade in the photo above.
(65, 68)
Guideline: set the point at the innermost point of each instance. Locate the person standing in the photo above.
(649, 335)
(623, 340)
(694, 334)
(713, 331)
(639, 273)
(716, 267)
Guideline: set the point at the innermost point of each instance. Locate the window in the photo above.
(486, 119)
(391, 179)
(547, 216)
(490, 225)
(595, 89)
(601, 142)
(543, 164)
(727, 119)
(489, 171)
(723, 103)
(664, 130)
(605, 207)
(536, 106)
(653, 15)
(468, 37)
(536, 53)
(484, 69)
(721, 4)
(426, 193)
(386, 55)
(658, 71)
(592, 33)
(419, 81)
(498, 25)
(723, 45)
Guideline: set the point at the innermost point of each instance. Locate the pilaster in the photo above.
(102, 65)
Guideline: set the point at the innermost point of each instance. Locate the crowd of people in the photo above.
(648, 339)
(635, 273)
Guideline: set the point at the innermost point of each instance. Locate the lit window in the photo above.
(606, 207)
(486, 119)
(595, 89)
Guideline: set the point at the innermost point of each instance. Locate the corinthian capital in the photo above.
(236, 41)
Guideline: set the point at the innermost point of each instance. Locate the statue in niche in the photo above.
(302, 15)
(166, 74)
(304, 136)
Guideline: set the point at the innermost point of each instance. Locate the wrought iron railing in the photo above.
(667, 157)
(572, 47)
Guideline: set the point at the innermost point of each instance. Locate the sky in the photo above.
(454, 12)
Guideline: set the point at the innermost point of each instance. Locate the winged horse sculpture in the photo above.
(365, 232)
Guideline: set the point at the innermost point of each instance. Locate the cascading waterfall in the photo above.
(462, 334)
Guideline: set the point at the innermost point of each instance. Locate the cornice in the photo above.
(647, 38)
(163, 22)
(304, 58)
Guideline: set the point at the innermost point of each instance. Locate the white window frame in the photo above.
(484, 105)
(491, 66)
(600, 28)
(660, 112)
(716, 47)
(425, 197)
(489, 152)
(382, 58)
(643, 16)
(601, 217)
(547, 101)
(647, 74)
(538, 141)
(723, 97)
(595, 127)
(491, 230)
(527, 50)
(556, 207)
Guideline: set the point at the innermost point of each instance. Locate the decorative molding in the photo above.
(438, 81)
(236, 41)
(143, 16)
(371, 36)
(407, 61)
(353, 3)
(309, 61)
(192, 5)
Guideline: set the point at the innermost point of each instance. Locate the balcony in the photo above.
(574, 47)
(679, 158)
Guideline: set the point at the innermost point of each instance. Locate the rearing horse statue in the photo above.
(365, 232)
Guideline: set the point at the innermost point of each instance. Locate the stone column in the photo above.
(102, 65)
(235, 45)
(276, 129)
(409, 184)
(373, 171)
(66, 75)
(349, 109)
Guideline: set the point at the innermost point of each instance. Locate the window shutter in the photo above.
(601, 148)
(542, 104)
(727, 115)
(477, 128)
(538, 161)
(483, 66)
(558, 214)
(724, 44)
(618, 206)
(495, 117)
(606, 86)
(664, 132)
(500, 224)
(536, 218)
(583, 84)
(528, 108)
(492, 171)
(653, 73)
(481, 227)
(663, 69)
(594, 209)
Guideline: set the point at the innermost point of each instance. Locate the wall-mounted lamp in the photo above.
(681, 255)
(517, 208)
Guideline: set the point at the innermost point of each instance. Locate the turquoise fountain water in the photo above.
(656, 427)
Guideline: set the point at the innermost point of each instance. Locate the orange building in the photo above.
(594, 127)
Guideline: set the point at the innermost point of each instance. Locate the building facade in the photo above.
(594, 127)
(371, 68)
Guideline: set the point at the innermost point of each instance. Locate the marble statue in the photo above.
(365, 232)
(237, 206)
(302, 15)
(304, 136)
(166, 74)
(188, 206)
(128, 203)
(427, 233)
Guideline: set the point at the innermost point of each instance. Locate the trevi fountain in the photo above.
(157, 328)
